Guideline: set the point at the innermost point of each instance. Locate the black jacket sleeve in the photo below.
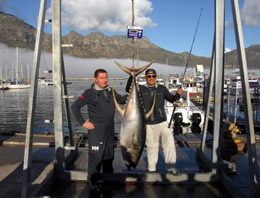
(120, 99)
(76, 106)
(128, 84)
(169, 97)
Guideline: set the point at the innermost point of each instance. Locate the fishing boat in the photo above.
(174, 81)
(193, 83)
(142, 81)
(233, 107)
(187, 117)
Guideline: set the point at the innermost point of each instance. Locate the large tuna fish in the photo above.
(133, 127)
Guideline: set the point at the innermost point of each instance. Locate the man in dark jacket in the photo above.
(100, 125)
(157, 125)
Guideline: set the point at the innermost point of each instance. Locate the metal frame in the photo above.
(32, 102)
(60, 92)
(217, 66)
(252, 157)
(217, 73)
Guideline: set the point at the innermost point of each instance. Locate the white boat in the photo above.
(193, 84)
(187, 116)
(160, 80)
(233, 83)
(45, 82)
(174, 81)
(18, 84)
(4, 87)
(142, 81)
(233, 107)
(234, 110)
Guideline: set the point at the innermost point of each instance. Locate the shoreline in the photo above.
(82, 79)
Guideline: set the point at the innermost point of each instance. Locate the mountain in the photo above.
(252, 56)
(98, 45)
(15, 32)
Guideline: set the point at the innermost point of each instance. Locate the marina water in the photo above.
(14, 108)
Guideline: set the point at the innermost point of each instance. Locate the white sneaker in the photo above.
(174, 171)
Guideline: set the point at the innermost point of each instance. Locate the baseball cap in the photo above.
(150, 71)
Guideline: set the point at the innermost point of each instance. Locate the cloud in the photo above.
(110, 15)
(251, 12)
(3, 4)
(227, 50)
(75, 67)
(229, 23)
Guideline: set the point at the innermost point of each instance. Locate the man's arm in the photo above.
(171, 98)
(76, 106)
(128, 84)
(121, 99)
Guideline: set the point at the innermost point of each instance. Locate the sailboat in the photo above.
(3, 86)
(17, 84)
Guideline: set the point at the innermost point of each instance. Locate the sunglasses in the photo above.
(151, 76)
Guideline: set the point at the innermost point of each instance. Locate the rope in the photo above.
(133, 23)
(133, 13)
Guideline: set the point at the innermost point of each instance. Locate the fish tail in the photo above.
(134, 72)
(143, 68)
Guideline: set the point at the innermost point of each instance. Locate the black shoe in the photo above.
(94, 188)
(229, 168)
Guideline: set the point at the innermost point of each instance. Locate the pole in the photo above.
(252, 154)
(57, 88)
(32, 103)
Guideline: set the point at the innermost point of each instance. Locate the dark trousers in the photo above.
(101, 150)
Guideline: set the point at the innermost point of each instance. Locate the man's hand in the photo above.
(89, 125)
(180, 91)
(137, 85)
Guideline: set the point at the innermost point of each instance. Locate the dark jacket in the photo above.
(147, 93)
(101, 105)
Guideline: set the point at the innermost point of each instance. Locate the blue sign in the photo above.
(134, 32)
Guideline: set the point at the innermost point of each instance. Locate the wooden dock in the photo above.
(12, 149)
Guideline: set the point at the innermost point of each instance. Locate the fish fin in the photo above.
(143, 68)
(151, 110)
(134, 72)
(126, 69)
(119, 109)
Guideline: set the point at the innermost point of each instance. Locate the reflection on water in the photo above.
(14, 107)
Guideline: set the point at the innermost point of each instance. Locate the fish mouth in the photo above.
(129, 162)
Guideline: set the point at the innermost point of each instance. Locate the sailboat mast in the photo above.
(12, 71)
(28, 74)
(1, 67)
(17, 63)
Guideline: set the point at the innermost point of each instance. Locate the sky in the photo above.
(169, 24)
